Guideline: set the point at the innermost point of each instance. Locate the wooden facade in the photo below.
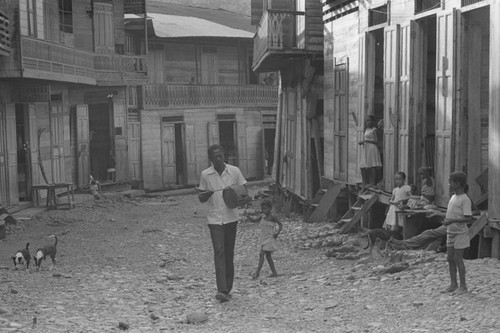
(430, 71)
(201, 92)
(289, 39)
(64, 93)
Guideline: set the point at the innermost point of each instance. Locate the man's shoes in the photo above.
(221, 297)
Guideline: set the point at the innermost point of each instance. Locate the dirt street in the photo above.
(144, 264)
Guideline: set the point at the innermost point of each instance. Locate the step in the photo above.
(345, 220)
(314, 205)
(357, 208)
(365, 196)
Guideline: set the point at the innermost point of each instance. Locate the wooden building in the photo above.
(429, 69)
(201, 91)
(64, 87)
(289, 39)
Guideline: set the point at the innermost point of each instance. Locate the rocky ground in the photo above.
(145, 265)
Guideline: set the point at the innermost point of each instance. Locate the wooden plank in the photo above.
(478, 225)
(326, 202)
(357, 217)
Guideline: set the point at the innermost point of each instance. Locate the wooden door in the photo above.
(445, 75)
(104, 31)
(241, 132)
(406, 100)
(213, 133)
(391, 108)
(192, 175)
(209, 65)
(34, 174)
(134, 149)
(168, 154)
(155, 66)
(4, 188)
(57, 134)
(11, 136)
(82, 144)
(340, 125)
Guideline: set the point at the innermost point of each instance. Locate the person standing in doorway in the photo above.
(370, 156)
(222, 220)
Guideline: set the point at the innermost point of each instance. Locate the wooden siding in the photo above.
(180, 63)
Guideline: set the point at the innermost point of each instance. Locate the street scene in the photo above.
(147, 262)
(249, 166)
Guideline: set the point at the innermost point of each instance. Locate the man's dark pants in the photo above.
(223, 240)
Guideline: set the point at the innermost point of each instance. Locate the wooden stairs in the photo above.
(357, 211)
(322, 202)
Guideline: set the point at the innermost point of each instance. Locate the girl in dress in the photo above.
(428, 185)
(400, 194)
(268, 234)
(370, 155)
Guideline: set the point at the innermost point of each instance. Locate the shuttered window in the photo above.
(103, 28)
(66, 16)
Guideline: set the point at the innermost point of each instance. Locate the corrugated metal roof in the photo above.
(174, 26)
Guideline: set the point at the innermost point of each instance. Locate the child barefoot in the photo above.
(458, 213)
(400, 194)
(267, 236)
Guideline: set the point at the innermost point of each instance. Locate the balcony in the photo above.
(157, 96)
(4, 35)
(43, 59)
(279, 34)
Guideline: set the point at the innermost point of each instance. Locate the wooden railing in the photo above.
(279, 30)
(45, 56)
(4, 35)
(170, 95)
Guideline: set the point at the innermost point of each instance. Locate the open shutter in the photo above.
(168, 154)
(340, 112)
(192, 176)
(104, 39)
(391, 114)
(11, 136)
(134, 149)
(33, 140)
(446, 35)
(82, 144)
(406, 98)
(4, 189)
(242, 148)
(57, 133)
(213, 133)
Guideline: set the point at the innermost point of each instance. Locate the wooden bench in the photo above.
(51, 200)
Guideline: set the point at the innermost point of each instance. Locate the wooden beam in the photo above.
(494, 125)
(321, 212)
(478, 225)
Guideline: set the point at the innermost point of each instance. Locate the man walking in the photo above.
(222, 220)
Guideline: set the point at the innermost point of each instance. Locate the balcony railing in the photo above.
(4, 34)
(169, 95)
(425, 5)
(45, 56)
(279, 31)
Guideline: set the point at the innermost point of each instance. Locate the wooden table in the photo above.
(51, 201)
(414, 221)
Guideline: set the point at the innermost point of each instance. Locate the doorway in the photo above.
(100, 128)
(23, 152)
(173, 148)
(269, 135)
(227, 139)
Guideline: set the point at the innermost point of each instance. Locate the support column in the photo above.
(494, 126)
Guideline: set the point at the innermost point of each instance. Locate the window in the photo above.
(377, 16)
(30, 11)
(66, 16)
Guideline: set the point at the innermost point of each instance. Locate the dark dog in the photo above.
(382, 235)
(22, 257)
(42, 253)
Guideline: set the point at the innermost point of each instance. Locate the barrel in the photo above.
(235, 195)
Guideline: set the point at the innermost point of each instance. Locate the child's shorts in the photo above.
(458, 241)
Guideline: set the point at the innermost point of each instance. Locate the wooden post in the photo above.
(494, 126)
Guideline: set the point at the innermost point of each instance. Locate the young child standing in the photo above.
(400, 194)
(268, 234)
(458, 214)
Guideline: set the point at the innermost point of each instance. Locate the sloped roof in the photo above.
(174, 26)
(231, 19)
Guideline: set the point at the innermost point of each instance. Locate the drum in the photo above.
(235, 195)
